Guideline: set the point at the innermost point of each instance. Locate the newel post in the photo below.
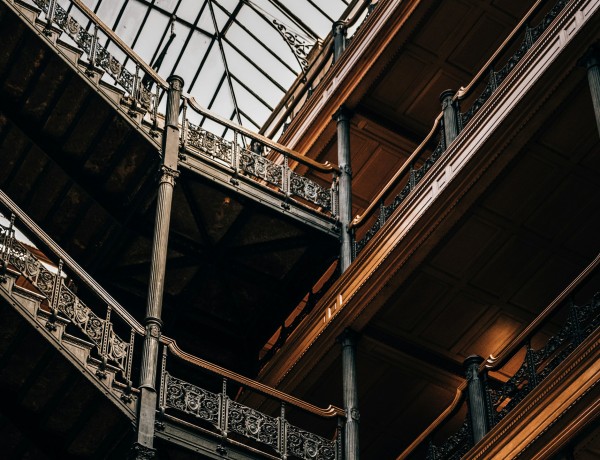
(339, 31)
(143, 447)
(477, 398)
(450, 110)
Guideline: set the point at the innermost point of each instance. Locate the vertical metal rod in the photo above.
(339, 30)
(476, 393)
(342, 117)
(282, 433)
(591, 61)
(450, 116)
(143, 447)
(350, 386)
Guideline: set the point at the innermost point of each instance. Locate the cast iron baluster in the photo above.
(574, 318)
(382, 216)
(6, 248)
(531, 367)
(154, 130)
(223, 417)
(50, 18)
(162, 391)
(282, 433)
(285, 182)
(235, 159)
(126, 396)
(91, 67)
(54, 298)
(411, 178)
(103, 348)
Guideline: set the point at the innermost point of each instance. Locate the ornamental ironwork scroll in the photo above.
(98, 55)
(256, 165)
(537, 365)
(229, 417)
(52, 286)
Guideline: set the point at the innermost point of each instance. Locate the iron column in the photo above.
(342, 117)
(143, 448)
(339, 30)
(591, 61)
(348, 340)
(450, 116)
(476, 395)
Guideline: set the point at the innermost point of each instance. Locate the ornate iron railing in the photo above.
(95, 40)
(254, 156)
(409, 175)
(231, 419)
(578, 323)
(58, 289)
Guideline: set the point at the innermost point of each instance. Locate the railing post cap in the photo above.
(338, 26)
(471, 360)
(175, 81)
(446, 94)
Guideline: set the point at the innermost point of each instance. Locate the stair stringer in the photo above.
(76, 350)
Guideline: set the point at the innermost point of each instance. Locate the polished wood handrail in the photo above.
(360, 218)
(122, 45)
(70, 263)
(493, 363)
(331, 411)
(326, 167)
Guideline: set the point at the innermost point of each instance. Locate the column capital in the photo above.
(168, 175)
(175, 82)
(339, 27)
(348, 338)
(342, 114)
(446, 94)
(471, 365)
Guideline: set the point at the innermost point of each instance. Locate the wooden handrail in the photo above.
(69, 262)
(360, 218)
(122, 45)
(493, 362)
(458, 396)
(326, 167)
(463, 92)
(331, 411)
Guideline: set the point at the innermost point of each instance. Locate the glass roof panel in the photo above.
(232, 54)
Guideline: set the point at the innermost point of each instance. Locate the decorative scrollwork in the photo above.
(309, 446)
(310, 190)
(455, 447)
(297, 44)
(209, 144)
(192, 400)
(261, 167)
(252, 424)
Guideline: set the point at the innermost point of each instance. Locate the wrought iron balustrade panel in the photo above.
(258, 166)
(309, 190)
(210, 144)
(495, 78)
(252, 424)
(192, 400)
(455, 447)
(97, 54)
(308, 446)
(68, 303)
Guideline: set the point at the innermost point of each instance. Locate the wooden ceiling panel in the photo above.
(508, 269)
(492, 335)
(442, 33)
(454, 319)
(465, 247)
(402, 313)
(378, 170)
(474, 50)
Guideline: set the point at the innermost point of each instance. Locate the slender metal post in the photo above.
(350, 386)
(143, 448)
(591, 61)
(476, 395)
(339, 31)
(342, 117)
(450, 116)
